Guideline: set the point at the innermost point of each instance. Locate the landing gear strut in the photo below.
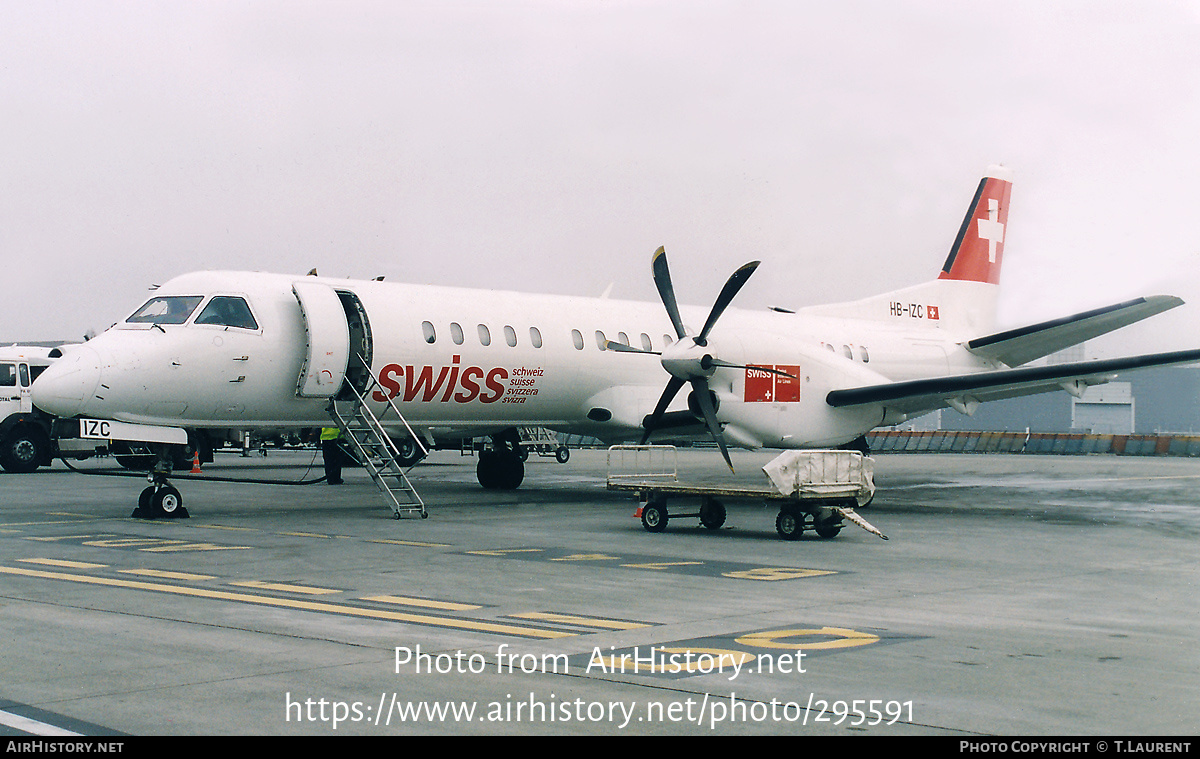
(500, 467)
(160, 499)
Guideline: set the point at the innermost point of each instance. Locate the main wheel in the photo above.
(789, 524)
(499, 470)
(410, 452)
(654, 516)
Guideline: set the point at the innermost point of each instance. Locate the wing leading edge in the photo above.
(965, 390)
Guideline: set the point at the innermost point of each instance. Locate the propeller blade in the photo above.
(610, 345)
(662, 280)
(700, 386)
(668, 395)
(728, 292)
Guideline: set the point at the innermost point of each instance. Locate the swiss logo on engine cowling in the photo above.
(768, 387)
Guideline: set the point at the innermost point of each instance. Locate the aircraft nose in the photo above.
(68, 383)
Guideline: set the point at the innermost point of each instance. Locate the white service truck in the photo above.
(25, 442)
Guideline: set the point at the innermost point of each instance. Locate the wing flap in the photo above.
(1024, 344)
(937, 392)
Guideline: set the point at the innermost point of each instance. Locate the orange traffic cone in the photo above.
(196, 463)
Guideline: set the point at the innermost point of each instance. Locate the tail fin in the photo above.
(963, 296)
(979, 248)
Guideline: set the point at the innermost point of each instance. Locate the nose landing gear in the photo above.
(160, 499)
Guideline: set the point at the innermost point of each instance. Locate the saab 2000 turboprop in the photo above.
(240, 350)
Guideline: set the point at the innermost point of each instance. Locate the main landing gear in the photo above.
(501, 467)
(160, 499)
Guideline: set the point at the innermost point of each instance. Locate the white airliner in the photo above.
(246, 349)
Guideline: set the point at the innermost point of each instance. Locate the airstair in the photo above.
(367, 439)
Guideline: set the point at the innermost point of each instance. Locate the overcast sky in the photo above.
(552, 146)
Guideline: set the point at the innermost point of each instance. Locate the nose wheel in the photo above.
(160, 502)
(160, 499)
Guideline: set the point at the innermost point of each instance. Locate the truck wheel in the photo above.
(562, 454)
(22, 450)
(654, 516)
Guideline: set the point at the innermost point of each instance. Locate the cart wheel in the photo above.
(654, 516)
(789, 524)
(562, 454)
(829, 530)
(712, 513)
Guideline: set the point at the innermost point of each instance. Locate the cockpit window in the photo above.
(170, 309)
(227, 311)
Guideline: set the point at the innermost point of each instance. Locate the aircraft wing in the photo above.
(1018, 346)
(964, 390)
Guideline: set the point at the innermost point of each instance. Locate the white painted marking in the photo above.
(32, 726)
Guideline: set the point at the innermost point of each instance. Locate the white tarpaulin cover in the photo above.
(817, 474)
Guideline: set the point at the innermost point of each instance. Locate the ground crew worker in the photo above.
(331, 451)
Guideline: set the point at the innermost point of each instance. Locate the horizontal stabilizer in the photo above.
(922, 395)
(1018, 346)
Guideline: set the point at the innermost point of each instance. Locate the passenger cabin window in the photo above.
(428, 331)
(866, 357)
(646, 344)
(485, 335)
(600, 339)
(577, 338)
(510, 336)
(227, 311)
(8, 375)
(622, 338)
(847, 352)
(535, 337)
(169, 309)
(456, 333)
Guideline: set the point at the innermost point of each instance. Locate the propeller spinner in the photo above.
(687, 360)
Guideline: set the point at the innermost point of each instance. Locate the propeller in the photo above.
(686, 360)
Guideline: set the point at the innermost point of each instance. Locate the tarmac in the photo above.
(1016, 595)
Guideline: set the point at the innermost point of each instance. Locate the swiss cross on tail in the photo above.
(979, 248)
